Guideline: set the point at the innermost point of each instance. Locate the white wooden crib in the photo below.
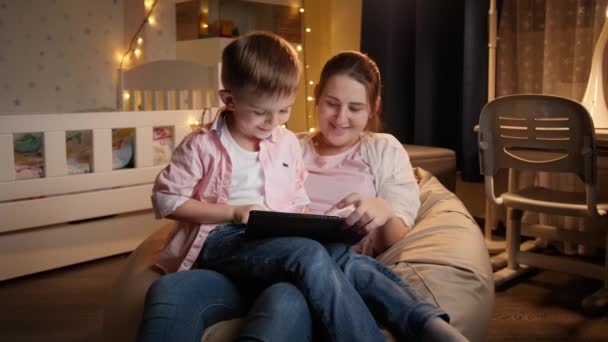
(61, 218)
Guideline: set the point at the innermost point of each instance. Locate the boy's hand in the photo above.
(241, 212)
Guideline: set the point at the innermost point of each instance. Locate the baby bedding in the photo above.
(29, 150)
(163, 144)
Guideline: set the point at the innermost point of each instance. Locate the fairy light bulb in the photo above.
(126, 95)
(140, 41)
(308, 29)
(301, 10)
(311, 130)
(299, 47)
(152, 21)
(137, 52)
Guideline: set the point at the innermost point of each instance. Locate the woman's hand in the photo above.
(241, 212)
(369, 213)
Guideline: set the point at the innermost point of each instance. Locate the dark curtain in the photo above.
(433, 58)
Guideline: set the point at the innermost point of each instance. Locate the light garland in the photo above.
(307, 91)
(149, 6)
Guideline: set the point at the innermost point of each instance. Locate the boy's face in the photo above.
(255, 116)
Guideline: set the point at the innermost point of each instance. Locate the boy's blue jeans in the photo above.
(341, 287)
(180, 306)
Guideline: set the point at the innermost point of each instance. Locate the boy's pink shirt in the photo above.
(200, 168)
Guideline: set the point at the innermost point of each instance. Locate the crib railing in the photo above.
(59, 196)
(62, 218)
(169, 85)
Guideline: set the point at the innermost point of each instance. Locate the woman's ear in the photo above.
(377, 105)
(227, 98)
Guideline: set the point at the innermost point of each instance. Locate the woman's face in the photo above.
(343, 113)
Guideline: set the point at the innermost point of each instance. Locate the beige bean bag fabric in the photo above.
(443, 257)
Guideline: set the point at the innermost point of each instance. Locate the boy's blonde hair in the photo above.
(261, 62)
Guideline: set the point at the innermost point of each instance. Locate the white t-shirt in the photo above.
(247, 181)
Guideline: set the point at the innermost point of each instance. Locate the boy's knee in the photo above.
(308, 247)
(285, 295)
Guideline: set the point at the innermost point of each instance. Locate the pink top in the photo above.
(331, 178)
(201, 168)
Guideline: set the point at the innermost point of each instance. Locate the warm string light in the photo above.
(194, 124)
(149, 6)
(305, 29)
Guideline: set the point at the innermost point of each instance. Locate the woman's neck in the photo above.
(324, 148)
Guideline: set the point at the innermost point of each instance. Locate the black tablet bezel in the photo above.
(265, 224)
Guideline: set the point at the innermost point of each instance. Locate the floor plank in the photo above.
(66, 305)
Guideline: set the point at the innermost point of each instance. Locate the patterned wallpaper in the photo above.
(61, 56)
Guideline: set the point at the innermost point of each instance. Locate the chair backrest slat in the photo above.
(537, 132)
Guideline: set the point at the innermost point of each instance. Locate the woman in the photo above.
(363, 176)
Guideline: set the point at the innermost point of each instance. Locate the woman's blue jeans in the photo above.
(180, 306)
(341, 287)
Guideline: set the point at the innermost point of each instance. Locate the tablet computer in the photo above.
(264, 224)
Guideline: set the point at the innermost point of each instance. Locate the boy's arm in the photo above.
(209, 213)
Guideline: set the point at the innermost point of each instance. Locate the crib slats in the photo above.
(165, 99)
(190, 99)
(128, 98)
(143, 147)
(145, 104)
(58, 209)
(7, 158)
(102, 150)
(178, 99)
(197, 98)
(55, 163)
(133, 101)
(155, 104)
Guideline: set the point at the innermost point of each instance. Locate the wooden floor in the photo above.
(66, 305)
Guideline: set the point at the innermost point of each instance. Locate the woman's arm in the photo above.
(374, 218)
(386, 236)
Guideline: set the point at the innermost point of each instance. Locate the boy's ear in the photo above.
(227, 98)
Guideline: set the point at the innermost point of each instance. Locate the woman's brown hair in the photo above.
(362, 69)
